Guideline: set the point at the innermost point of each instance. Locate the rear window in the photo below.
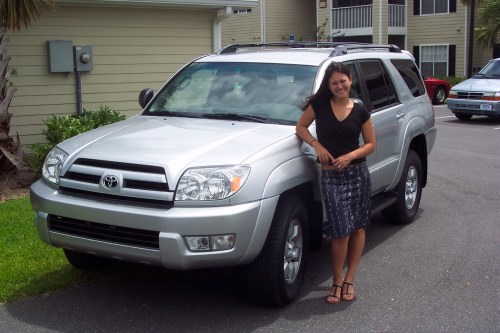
(410, 74)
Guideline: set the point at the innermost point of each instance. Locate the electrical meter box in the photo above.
(83, 58)
(60, 56)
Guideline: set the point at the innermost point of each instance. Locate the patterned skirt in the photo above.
(347, 199)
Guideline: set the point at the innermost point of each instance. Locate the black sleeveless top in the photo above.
(339, 137)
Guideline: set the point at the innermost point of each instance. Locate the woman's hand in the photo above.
(342, 161)
(324, 157)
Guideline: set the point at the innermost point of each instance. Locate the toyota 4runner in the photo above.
(212, 174)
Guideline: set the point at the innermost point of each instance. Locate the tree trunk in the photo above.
(8, 148)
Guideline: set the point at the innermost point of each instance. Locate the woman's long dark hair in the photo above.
(324, 89)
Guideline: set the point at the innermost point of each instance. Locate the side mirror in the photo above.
(145, 96)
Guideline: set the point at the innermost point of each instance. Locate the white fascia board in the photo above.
(212, 4)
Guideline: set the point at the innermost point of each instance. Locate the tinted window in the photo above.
(355, 87)
(411, 76)
(380, 89)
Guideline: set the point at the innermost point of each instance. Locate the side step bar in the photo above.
(382, 201)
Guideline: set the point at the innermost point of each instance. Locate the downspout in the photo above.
(216, 27)
(263, 38)
(380, 22)
(466, 30)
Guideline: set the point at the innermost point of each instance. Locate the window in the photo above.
(430, 7)
(410, 75)
(380, 88)
(271, 91)
(355, 87)
(434, 60)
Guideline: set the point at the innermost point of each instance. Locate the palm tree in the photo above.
(14, 15)
(488, 33)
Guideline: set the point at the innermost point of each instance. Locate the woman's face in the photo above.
(340, 84)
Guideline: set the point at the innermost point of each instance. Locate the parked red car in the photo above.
(437, 89)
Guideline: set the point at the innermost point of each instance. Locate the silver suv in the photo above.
(212, 174)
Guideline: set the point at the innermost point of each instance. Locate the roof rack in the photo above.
(340, 48)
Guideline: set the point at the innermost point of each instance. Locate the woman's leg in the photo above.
(354, 252)
(339, 252)
(338, 248)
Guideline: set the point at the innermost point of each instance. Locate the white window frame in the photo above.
(434, 6)
(422, 57)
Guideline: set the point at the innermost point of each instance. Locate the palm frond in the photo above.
(16, 14)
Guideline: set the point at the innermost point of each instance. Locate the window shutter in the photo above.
(416, 7)
(451, 59)
(416, 54)
(453, 6)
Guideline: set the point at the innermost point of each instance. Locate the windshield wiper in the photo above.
(174, 114)
(236, 116)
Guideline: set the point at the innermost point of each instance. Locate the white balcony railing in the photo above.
(397, 17)
(361, 17)
(352, 17)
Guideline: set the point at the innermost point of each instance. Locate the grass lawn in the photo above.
(27, 265)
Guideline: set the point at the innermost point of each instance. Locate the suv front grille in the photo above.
(104, 232)
(470, 95)
(134, 183)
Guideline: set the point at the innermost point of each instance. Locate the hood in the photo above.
(176, 143)
(480, 84)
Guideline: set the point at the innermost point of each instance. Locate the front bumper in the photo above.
(474, 107)
(249, 223)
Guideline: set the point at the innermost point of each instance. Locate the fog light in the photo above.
(210, 243)
(201, 243)
(222, 242)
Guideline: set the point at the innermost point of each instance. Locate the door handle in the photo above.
(400, 115)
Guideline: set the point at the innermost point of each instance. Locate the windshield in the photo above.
(270, 93)
(491, 70)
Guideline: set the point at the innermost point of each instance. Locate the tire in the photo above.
(440, 95)
(85, 261)
(463, 116)
(276, 276)
(408, 191)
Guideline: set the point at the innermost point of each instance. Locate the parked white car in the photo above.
(479, 95)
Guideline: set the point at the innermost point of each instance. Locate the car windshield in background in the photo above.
(491, 70)
(257, 92)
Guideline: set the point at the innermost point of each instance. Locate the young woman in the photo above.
(345, 180)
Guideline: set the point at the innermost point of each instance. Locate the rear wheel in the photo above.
(85, 261)
(409, 191)
(440, 95)
(463, 116)
(276, 276)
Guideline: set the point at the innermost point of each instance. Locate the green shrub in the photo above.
(455, 80)
(60, 128)
(452, 79)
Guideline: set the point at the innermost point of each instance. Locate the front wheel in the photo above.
(409, 191)
(440, 95)
(275, 277)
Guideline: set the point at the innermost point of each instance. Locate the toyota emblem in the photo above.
(110, 182)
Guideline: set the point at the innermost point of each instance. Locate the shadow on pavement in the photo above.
(154, 299)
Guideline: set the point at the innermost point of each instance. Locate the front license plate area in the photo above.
(486, 107)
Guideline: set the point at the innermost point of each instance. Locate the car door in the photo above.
(379, 95)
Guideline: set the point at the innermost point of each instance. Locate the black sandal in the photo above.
(346, 292)
(333, 298)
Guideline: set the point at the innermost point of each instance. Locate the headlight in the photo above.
(211, 183)
(51, 169)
